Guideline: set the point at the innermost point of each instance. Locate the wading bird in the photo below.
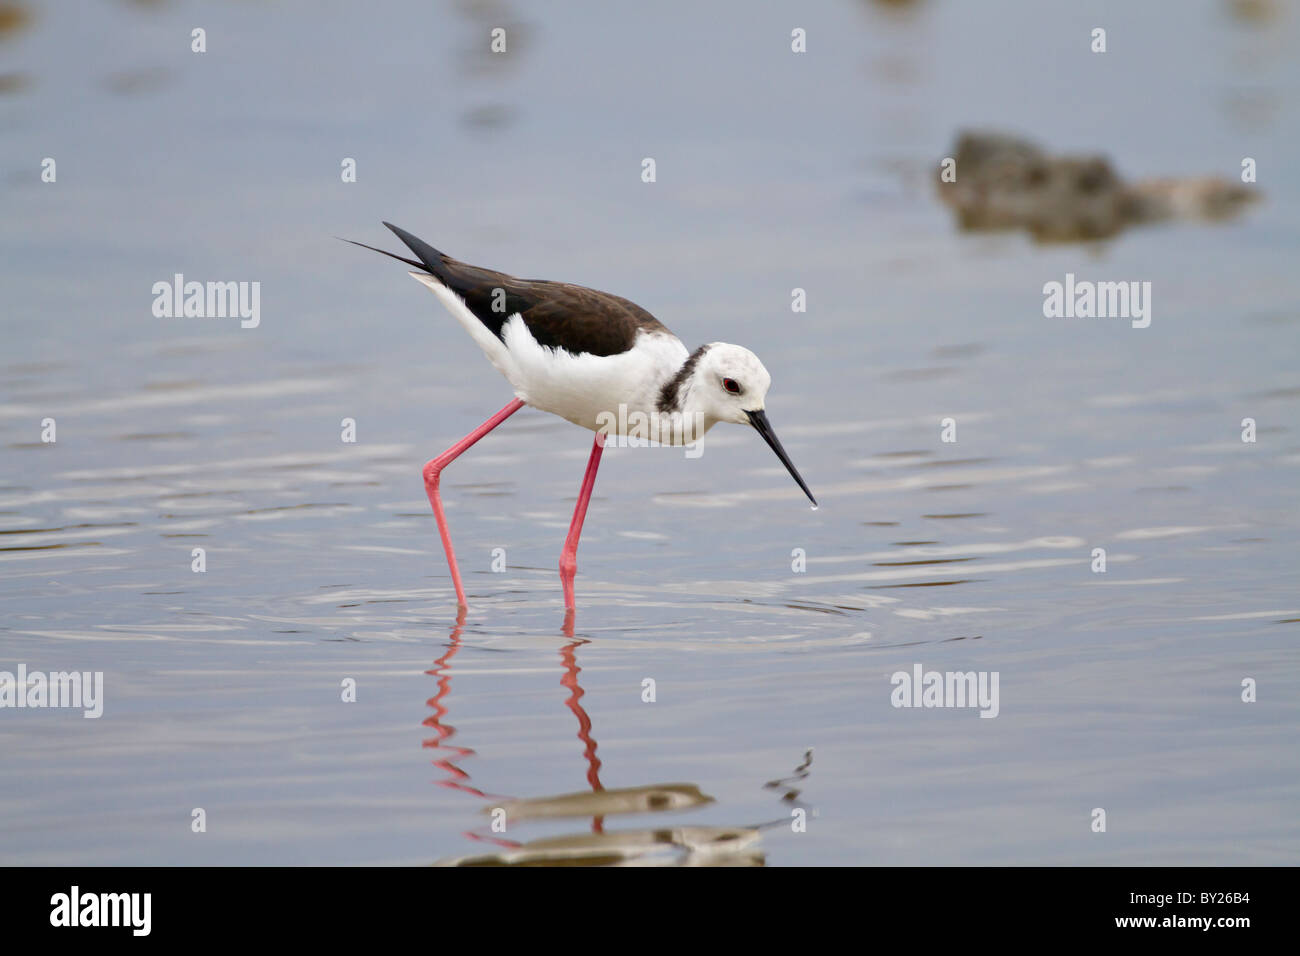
(594, 359)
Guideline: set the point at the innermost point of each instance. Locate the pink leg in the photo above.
(569, 556)
(433, 473)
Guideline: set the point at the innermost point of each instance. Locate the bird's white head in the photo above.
(729, 382)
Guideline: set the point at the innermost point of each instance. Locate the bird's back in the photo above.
(577, 352)
(559, 315)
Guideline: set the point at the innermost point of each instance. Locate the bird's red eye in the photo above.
(731, 385)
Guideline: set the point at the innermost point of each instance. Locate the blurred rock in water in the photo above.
(1003, 182)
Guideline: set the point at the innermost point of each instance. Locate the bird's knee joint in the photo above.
(432, 471)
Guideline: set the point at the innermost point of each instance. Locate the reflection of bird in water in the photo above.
(652, 846)
(457, 779)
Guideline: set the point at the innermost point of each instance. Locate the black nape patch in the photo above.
(670, 394)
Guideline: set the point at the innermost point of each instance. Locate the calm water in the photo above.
(223, 689)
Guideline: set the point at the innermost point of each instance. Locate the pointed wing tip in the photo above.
(429, 256)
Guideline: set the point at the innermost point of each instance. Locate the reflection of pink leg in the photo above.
(569, 654)
(433, 473)
(569, 556)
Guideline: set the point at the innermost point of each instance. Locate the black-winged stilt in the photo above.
(594, 359)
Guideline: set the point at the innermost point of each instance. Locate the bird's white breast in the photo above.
(589, 389)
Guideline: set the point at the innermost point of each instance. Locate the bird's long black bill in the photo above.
(759, 420)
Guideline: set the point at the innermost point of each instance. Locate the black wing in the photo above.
(558, 314)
